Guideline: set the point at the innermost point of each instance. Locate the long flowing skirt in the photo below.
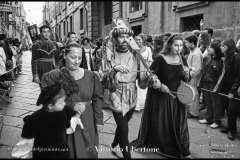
(164, 125)
(83, 142)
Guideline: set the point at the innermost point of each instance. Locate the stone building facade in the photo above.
(94, 18)
(13, 19)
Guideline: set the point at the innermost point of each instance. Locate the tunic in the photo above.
(49, 132)
(44, 57)
(83, 142)
(164, 120)
(122, 89)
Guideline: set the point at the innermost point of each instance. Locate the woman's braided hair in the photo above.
(69, 84)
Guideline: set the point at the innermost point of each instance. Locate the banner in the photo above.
(33, 32)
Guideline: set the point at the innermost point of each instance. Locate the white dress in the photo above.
(88, 56)
(141, 97)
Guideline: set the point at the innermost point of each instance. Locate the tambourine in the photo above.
(187, 93)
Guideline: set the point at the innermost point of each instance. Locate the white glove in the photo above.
(73, 124)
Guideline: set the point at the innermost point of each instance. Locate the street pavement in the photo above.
(204, 141)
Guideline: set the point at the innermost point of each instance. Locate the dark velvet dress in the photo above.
(83, 142)
(49, 132)
(164, 120)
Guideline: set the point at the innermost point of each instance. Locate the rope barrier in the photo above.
(9, 70)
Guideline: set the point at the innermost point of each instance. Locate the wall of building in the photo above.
(103, 29)
(223, 17)
(155, 17)
(17, 15)
(64, 14)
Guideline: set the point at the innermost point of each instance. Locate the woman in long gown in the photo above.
(164, 122)
(146, 52)
(84, 95)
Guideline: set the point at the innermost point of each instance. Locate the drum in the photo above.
(187, 93)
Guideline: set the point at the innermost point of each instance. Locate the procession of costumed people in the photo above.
(167, 81)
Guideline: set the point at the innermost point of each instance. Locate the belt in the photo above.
(47, 60)
(85, 103)
(126, 83)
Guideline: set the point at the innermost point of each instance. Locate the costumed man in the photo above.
(44, 55)
(119, 71)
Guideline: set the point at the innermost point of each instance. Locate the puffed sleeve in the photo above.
(156, 65)
(108, 75)
(50, 78)
(146, 81)
(97, 100)
(28, 130)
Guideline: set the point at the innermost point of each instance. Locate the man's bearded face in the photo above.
(123, 41)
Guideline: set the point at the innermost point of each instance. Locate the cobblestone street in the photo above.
(205, 142)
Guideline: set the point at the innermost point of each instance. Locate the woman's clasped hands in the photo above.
(79, 108)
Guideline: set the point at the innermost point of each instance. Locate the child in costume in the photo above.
(47, 126)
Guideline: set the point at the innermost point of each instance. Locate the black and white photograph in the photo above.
(119, 79)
